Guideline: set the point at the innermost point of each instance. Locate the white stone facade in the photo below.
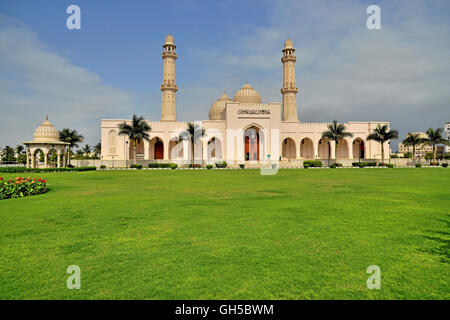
(240, 130)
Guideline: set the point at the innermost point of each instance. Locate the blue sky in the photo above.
(112, 67)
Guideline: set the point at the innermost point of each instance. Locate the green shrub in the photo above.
(333, 166)
(21, 187)
(418, 165)
(445, 165)
(242, 165)
(163, 165)
(136, 166)
(313, 163)
(221, 164)
(305, 165)
(42, 170)
(390, 165)
(102, 167)
(209, 166)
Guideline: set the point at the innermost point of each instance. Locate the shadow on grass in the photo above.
(442, 238)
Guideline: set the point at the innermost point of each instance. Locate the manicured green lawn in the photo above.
(230, 234)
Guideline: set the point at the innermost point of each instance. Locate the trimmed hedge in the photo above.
(242, 165)
(39, 170)
(313, 163)
(163, 165)
(418, 165)
(445, 165)
(364, 164)
(209, 166)
(305, 165)
(333, 166)
(221, 164)
(136, 166)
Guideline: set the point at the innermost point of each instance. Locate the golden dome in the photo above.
(217, 109)
(169, 40)
(288, 44)
(247, 95)
(46, 132)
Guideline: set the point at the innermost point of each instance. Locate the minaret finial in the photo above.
(46, 117)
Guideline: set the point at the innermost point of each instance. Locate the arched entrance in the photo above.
(288, 149)
(139, 150)
(159, 150)
(358, 149)
(251, 141)
(306, 149)
(324, 149)
(342, 149)
(176, 149)
(214, 149)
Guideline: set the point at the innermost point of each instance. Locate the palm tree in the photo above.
(138, 130)
(336, 131)
(87, 150)
(20, 150)
(193, 132)
(73, 138)
(98, 149)
(382, 134)
(433, 138)
(413, 139)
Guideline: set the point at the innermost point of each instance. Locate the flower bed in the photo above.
(21, 187)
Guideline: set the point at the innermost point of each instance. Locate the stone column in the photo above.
(63, 160)
(166, 149)
(147, 150)
(58, 160)
(333, 150)
(46, 159)
(28, 159)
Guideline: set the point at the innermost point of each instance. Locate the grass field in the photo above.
(230, 234)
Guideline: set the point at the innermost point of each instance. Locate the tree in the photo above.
(336, 131)
(413, 139)
(87, 150)
(73, 138)
(382, 134)
(20, 150)
(193, 132)
(98, 149)
(138, 130)
(433, 138)
(8, 155)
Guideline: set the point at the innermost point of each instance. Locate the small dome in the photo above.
(46, 132)
(247, 95)
(288, 44)
(217, 109)
(169, 40)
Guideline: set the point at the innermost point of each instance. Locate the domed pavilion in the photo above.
(46, 140)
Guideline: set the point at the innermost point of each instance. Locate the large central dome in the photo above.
(247, 95)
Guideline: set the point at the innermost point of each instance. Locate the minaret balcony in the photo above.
(288, 58)
(169, 55)
(173, 87)
(287, 90)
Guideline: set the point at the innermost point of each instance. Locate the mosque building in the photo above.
(240, 130)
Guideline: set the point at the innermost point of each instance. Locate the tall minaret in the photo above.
(289, 90)
(168, 87)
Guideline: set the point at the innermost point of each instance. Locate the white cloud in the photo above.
(347, 72)
(35, 81)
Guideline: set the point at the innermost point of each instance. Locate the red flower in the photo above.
(1, 178)
(39, 179)
(44, 181)
(9, 180)
(34, 179)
